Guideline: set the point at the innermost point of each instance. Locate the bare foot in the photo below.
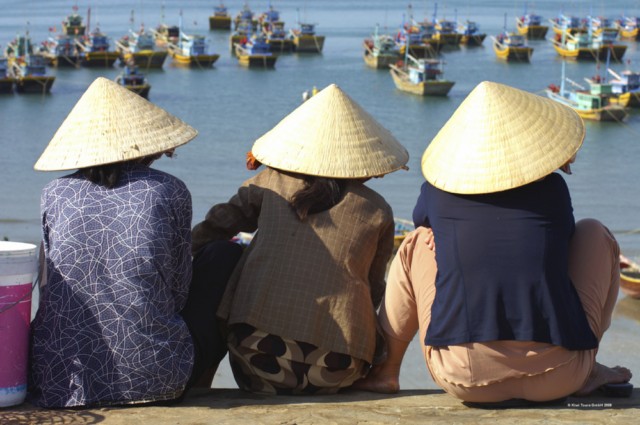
(379, 381)
(600, 375)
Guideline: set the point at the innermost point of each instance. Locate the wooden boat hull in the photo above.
(6, 85)
(219, 22)
(473, 40)
(422, 51)
(198, 61)
(510, 53)
(34, 84)
(594, 54)
(280, 45)
(448, 39)
(633, 34)
(142, 89)
(99, 59)
(308, 43)
(424, 88)
(533, 32)
(257, 61)
(379, 61)
(610, 112)
(147, 58)
(629, 277)
(66, 61)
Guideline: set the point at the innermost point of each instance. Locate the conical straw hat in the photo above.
(112, 124)
(330, 135)
(500, 138)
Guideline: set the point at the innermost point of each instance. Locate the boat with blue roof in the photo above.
(140, 47)
(530, 25)
(255, 53)
(132, 79)
(220, 19)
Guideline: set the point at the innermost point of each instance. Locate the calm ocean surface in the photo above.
(232, 106)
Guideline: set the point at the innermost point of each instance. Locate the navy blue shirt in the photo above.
(503, 266)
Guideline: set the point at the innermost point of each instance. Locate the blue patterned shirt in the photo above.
(108, 328)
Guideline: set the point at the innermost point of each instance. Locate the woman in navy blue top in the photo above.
(510, 296)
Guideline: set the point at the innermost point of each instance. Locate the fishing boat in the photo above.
(276, 37)
(530, 26)
(240, 35)
(471, 35)
(134, 80)
(270, 16)
(220, 20)
(380, 51)
(585, 46)
(96, 51)
(31, 75)
(420, 76)
(446, 31)
(628, 27)
(245, 15)
(73, 25)
(419, 40)
(629, 277)
(27, 67)
(305, 39)
(192, 50)
(564, 24)
(140, 48)
(64, 51)
(7, 79)
(598, 24)
(593, 103)
(255, 53)
(510, 46)
(626, 87)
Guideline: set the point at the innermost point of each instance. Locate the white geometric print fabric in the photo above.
(118, 273)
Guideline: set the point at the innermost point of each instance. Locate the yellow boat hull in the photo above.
(199, 61)
(533, 32)
(147, 58)
(424, 88)
(587, 53)
(510, 53)
(308, 43)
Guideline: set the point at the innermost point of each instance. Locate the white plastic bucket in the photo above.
(17, 269)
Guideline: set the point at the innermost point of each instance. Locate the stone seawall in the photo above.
(231, 406)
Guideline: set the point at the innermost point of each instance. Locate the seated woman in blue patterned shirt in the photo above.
(119, 320)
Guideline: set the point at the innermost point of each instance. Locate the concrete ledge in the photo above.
(232, 406)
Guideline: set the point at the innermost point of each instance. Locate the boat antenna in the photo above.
(435, 12)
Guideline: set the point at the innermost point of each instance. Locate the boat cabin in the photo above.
(532, 20)
(220, 11)
(36, 65)
(307, 29)
(629, 81)
(143, 40)
(99, 42)
(446, 27)
(195, 45)
(425, 70)
(470, 28)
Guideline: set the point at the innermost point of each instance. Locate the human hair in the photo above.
(318, 194)
(106, 175)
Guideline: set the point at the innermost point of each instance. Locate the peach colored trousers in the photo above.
(501, 370)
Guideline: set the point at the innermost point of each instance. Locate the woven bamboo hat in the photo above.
(330, 135)
(500, 138)
(112, 124)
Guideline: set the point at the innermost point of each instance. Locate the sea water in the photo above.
(232, 106)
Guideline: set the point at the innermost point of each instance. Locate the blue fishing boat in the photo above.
(255, 53)
(132, 79)
(530, 25)
(276, 37)
(471, 35)
(245, 15)
(220, 20)
(140, 48)
(96, 51)
(27, 67)
(305, 39)
(626, 87)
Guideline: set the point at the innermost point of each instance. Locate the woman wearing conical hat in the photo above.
(120, 318)
(300, 306)
(510, 296)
